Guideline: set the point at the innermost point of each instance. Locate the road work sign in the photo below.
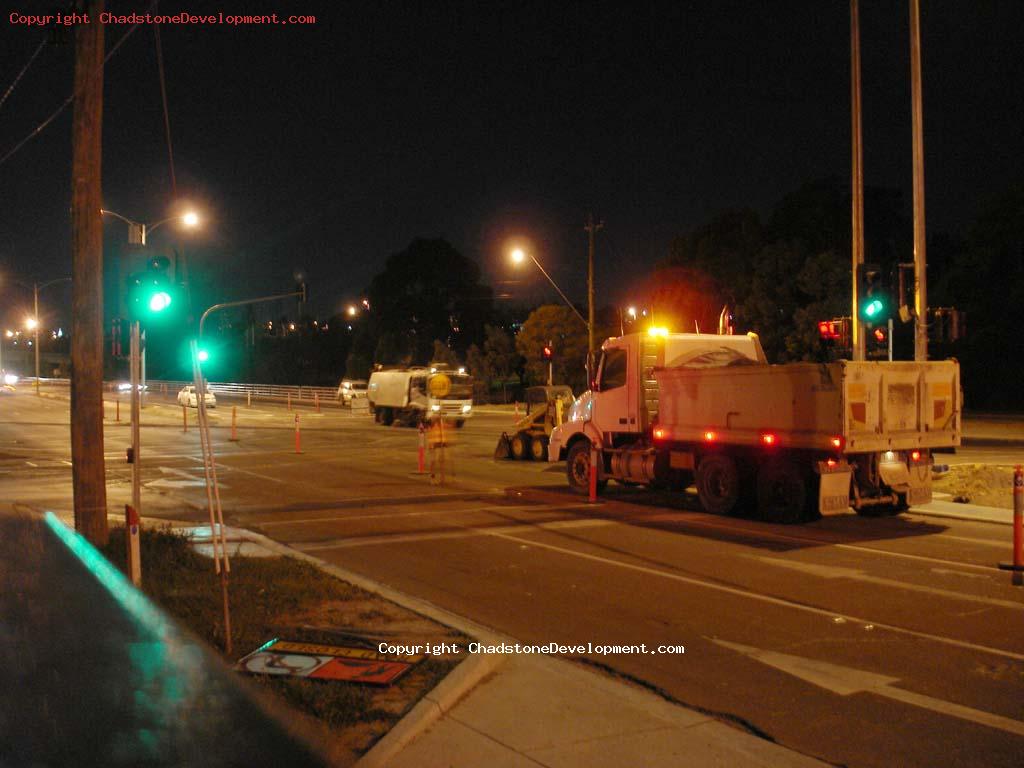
(440, 385)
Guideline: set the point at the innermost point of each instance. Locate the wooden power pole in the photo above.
(87, 470)
(917, 122)
(857, 192)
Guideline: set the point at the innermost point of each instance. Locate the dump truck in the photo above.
(783, 443)
(546, 408)
(416, 395)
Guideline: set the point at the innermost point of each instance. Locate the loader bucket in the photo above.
(504, 447)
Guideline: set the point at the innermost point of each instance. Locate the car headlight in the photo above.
(11, 379)
(435, 407)
(467, 408)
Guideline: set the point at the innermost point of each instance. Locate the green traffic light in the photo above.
(203, 355)
(873, 308)
(159, 301)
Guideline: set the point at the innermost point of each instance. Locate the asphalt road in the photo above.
(864, 642)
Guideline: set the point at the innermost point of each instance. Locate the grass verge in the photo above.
(292, 599)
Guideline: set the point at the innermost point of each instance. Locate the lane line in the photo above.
(419, 513)
(776, 601)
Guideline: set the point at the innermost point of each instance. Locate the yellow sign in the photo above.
(440, 385)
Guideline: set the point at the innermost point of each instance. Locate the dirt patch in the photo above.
(990, 485)
(291, 599)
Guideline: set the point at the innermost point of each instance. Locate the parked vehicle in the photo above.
(546, 408)
(787, 442)
(349, 389)
(187, 397)
(416, 395)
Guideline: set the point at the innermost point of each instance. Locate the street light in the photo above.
(519, 256)
(33, 322)
(138, 231)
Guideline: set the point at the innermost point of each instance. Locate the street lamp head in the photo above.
(518, 256)
(631, 312)
(31, 323)
(352, 310)
(190, 219)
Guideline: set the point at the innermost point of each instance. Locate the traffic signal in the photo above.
(879, 335)
(874, 304)
(827, 330)
(548, 353)
(151, 292)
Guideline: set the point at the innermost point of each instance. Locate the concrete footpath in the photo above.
(538, 710)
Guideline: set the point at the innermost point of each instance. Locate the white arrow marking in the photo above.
(188, 480)
(846, 681)
(835, 572)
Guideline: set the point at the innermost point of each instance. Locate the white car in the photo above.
(349, 389)
(187, 397)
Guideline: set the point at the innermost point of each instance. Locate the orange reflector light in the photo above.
(915, 455)
(768, 438)
(710, 436)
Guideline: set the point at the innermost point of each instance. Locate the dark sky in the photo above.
(328, 147)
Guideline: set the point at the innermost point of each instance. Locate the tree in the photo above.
(496, 362)
(568, 334)
(444, 354)
(428, 291)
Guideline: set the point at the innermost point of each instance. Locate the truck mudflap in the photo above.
(913, 480)
(834, 488)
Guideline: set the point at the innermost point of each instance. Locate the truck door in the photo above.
(614, 402)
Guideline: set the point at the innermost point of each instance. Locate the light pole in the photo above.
(137, 231)
(33, 323)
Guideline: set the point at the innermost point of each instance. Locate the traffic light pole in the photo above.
(857, 192)
(134, 364)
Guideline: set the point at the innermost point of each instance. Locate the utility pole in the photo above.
(917, 120)
(857, 192)
(87, 467)
(592, 230)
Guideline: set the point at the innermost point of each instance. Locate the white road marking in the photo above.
(739, 592)
(983, 542)
(417, 513)
(31, 464)
(834, 572)
(847, 680)
(187, 480)
(442, 535)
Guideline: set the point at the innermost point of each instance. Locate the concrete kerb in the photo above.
(466, 676)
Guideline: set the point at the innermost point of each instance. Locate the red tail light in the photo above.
(769, 438)
(710, 436)
(660, 433)
(837, 442)
(915, 455)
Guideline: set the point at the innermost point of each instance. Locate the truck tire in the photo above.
(718, 484)
(539, 449)
(782, 491)
(577, 468)
(387, 416)
(520, 446)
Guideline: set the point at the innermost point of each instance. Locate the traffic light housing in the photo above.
(874, 304)
(152, 292)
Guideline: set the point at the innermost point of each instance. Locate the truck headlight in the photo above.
(467, 408)
(435, 407)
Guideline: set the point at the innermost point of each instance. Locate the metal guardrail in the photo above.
(327, 396)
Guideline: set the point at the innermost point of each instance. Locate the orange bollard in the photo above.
(117, 410)
(298, 438)
(234, 424)
(1017, 566)
(184, 419)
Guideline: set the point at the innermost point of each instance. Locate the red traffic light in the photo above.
(548, 352)
(879, 335)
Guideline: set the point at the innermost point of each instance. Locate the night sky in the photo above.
(328, 147)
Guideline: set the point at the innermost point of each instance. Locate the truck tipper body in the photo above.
(784, 443)
(415, 395)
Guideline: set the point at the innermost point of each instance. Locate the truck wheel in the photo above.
(577, 468)
(781, 492)
(539, 449)
(387, 416)
(520, 446)
(718, 484)
(459, 423)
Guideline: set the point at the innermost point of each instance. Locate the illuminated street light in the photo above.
(519, 256)
(137, 231)
(31, 323)
(352, 311)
